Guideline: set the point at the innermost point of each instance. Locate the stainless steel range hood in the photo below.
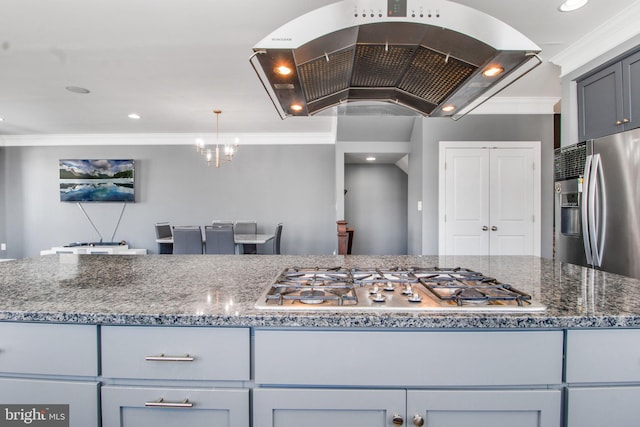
(432, 56)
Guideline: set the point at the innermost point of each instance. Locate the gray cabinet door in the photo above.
(495, 408)
(327, 407)
(82, 397)
(603, 406)
(600, 103)
(174, 407)
(631, 81)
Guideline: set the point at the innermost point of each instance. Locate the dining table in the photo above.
(238, 239)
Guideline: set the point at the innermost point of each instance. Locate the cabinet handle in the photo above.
(397, 420)
(494, 228)
(418, 421)
(485, 228)
(163, 358)
(625, 120)
(618, 122)
(162, 404)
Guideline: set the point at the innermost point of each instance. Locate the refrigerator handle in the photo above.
(599, 212)
(585, 209)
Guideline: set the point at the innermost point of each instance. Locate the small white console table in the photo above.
(94, 250)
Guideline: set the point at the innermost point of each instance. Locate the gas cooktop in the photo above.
(412, 289)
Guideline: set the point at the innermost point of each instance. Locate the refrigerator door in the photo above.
(613, 201)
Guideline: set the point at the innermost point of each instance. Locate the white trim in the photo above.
(537, 183)
(518, 105)
(166, 139)
(602, 39)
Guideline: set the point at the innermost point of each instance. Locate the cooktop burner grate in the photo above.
(395, 288)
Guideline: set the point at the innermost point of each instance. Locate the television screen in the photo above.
(98, 180)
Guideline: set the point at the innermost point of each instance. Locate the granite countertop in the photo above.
(221, 290)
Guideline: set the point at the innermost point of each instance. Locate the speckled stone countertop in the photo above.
(221, 290)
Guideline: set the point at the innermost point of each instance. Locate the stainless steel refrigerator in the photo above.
(598, 212)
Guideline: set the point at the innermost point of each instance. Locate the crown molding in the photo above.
(599, 41)
(518, 105)
(166, 139)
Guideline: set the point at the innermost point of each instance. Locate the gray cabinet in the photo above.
(175, 376)
(170, 407)
(81, 396)
(441, 378)
(327, 407)
(495, 408)
(603, 375)
(609, 99)
(51, 365)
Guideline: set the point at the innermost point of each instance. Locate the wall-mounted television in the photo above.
(97, 180)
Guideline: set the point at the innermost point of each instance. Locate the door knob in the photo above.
(485, 228)
(397, 420)
(418, 421)
(494, 228)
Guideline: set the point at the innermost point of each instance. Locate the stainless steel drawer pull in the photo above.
(162, 404)
(163, 358)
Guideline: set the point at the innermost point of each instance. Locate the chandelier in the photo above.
(216, 154)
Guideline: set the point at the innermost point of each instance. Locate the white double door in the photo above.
(490, 198)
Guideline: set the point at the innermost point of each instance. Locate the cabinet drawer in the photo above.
(175, 353)
(82, 397)
(403, 359)
(603, 406)
(129, 406)
(39, 348)
(605, 355)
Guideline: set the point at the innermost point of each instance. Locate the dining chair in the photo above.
(187, 239)
(221, 222)
(276, 239)
(247, 227)
(219, 239)
(163, 230)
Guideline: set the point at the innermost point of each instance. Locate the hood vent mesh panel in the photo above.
(432, 78)
(322, 78)
(378, 67)
(429, 74)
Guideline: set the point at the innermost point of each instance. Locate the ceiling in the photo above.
(173, 62)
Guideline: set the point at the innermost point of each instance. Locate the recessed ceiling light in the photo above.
(571, 5)
(77, 89)
(134, 116)
(1, 119)
(371, 159)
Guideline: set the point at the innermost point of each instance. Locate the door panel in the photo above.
(467, 201)
(327, 407)
(504, 408)
(511, 202)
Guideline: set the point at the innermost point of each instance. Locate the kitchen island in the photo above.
(157, 337)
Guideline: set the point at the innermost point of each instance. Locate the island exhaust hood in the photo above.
(436, 57)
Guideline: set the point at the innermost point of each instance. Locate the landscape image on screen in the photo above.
(102, 180)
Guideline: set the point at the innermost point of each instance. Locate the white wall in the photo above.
(479, 128)
(292, 184)
(376, 207)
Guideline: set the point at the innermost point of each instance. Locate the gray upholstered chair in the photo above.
(187, 240)
(163, 230)
(276, 239)
(219, 239)
(247, 227)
